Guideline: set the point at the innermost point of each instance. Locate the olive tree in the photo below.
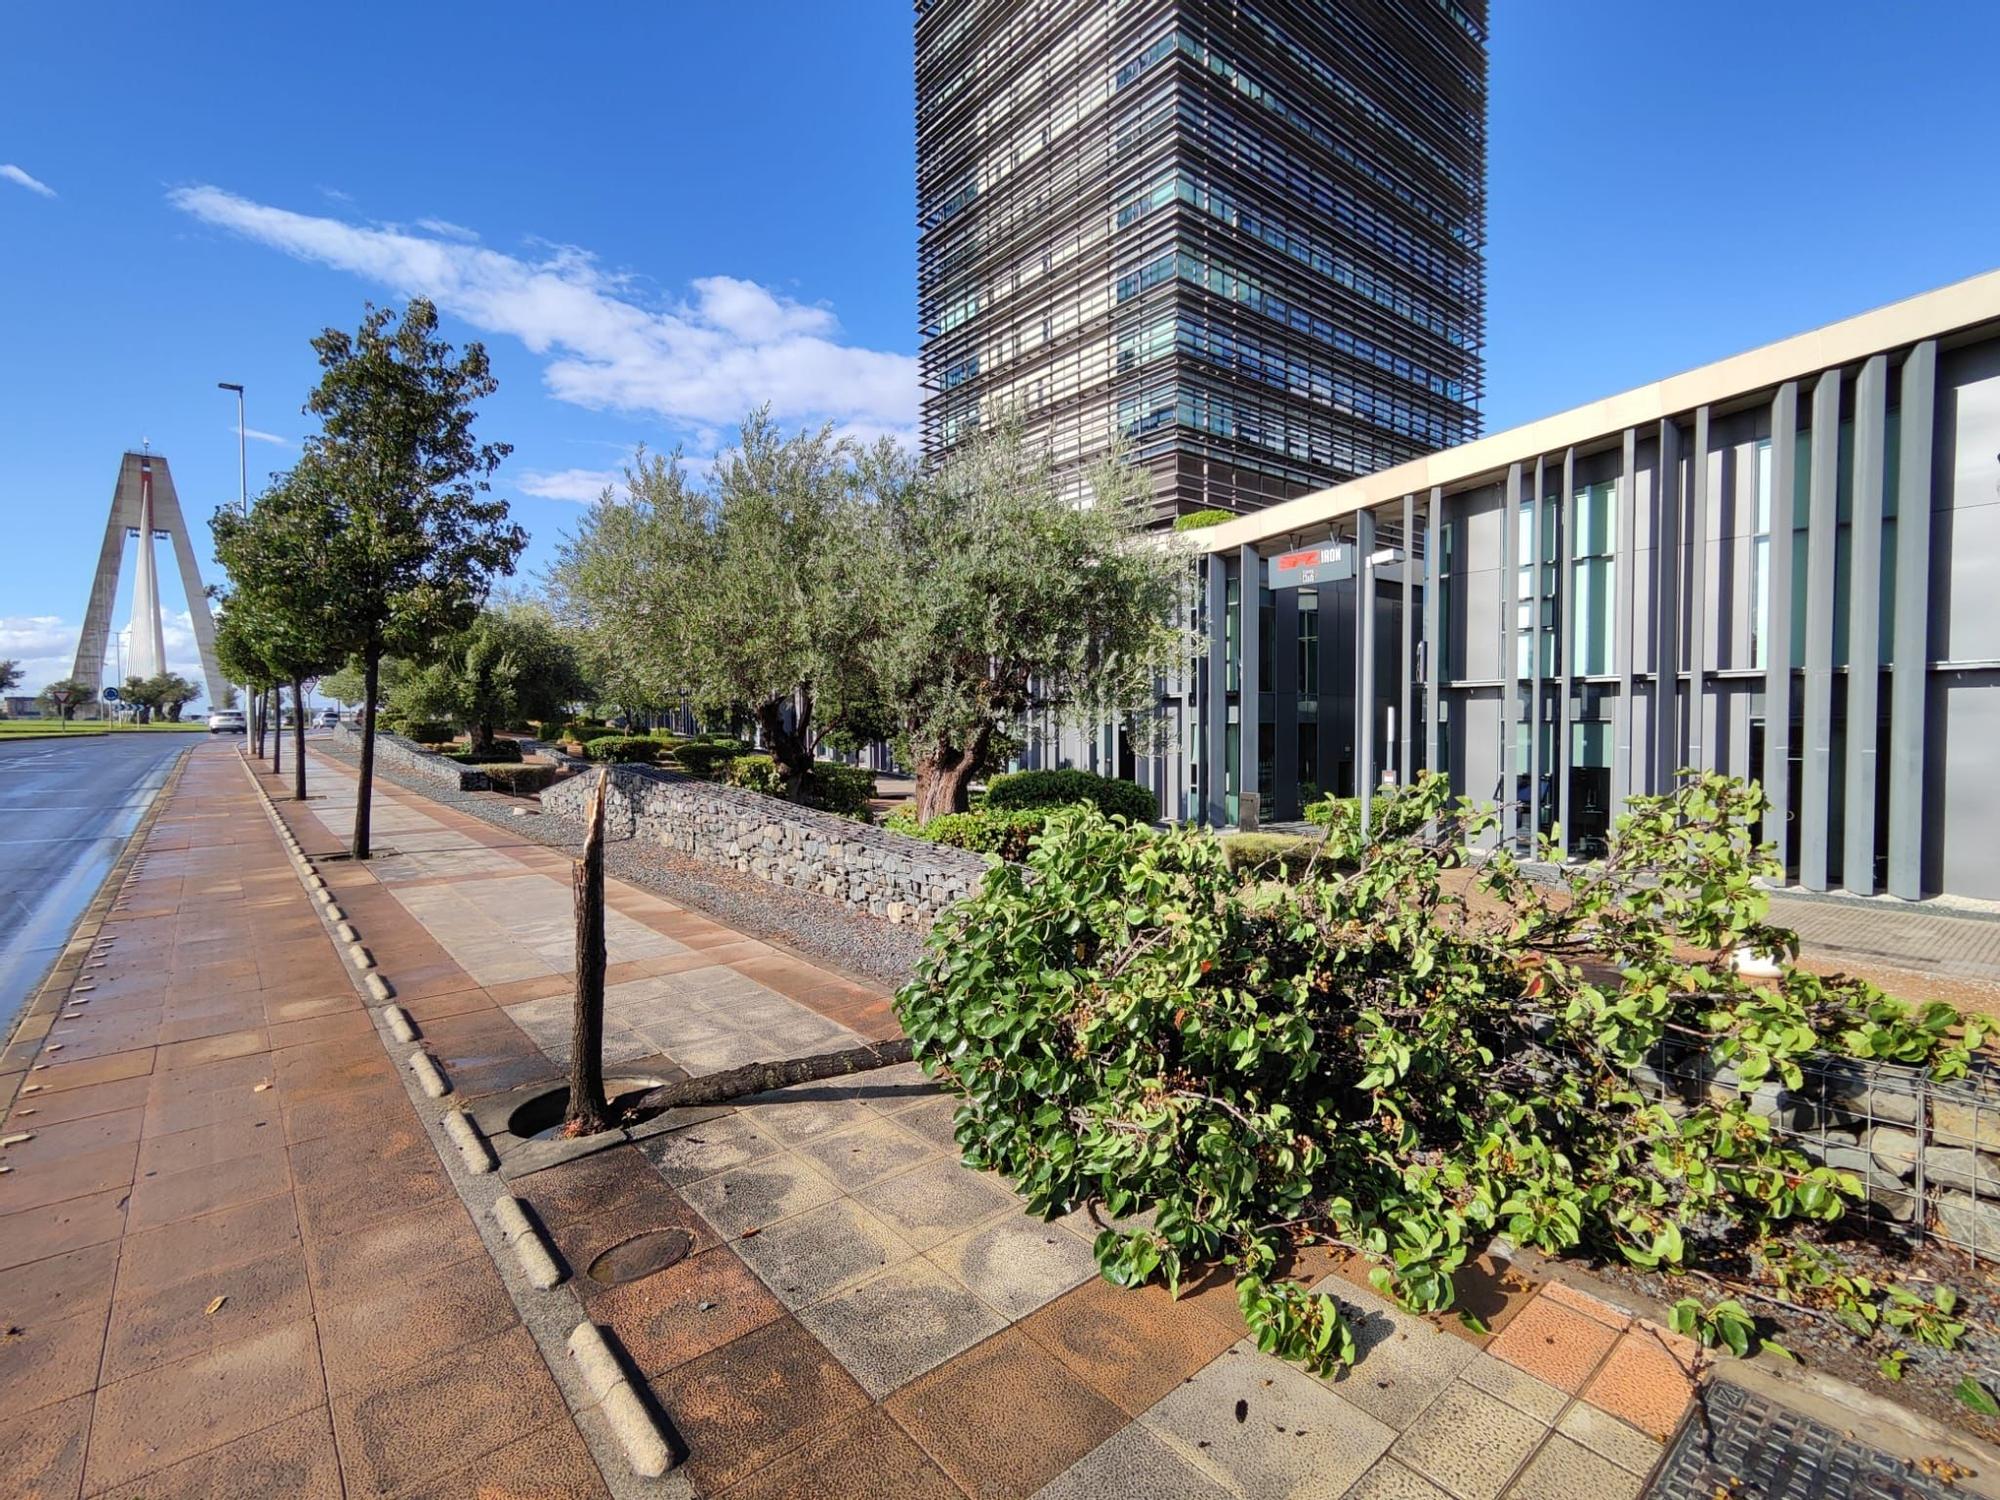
(512, 662)
(1004, 591)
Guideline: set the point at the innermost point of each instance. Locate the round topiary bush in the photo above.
(625, 748)
(1110, 795)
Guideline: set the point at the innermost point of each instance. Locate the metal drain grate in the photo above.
(1757, 1450)
(641, 1255)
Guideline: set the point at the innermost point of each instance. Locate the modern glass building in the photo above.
(1784, 566)
(1243, 235)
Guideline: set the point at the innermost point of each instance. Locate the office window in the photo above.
(1760, 559)
(1308, 686)
(1592, 542)
(1524, 591)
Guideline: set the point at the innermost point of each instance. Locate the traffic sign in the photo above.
(111, 695)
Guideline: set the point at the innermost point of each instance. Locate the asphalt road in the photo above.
(66, 809)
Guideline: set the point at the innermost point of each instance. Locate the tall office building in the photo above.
(1246, 235)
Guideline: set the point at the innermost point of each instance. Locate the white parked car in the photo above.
(326, 718)
(227, 721)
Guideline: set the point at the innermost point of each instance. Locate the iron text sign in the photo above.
(1327, 564)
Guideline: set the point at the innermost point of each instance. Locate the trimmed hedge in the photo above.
(522, 780)
(630, 748)
(1201, 520)
(830, 787)
(1282, 855)
(706, 757)
(1108, 794)
(1007, 833)
(500, 752)
(423, 731)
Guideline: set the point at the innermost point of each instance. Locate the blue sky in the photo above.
(658, 216)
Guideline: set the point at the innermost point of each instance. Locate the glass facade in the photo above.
(1242, 237)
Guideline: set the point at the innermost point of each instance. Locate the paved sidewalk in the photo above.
(230, 1264)
(857, 1313)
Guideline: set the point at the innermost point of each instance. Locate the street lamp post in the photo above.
(242, 497)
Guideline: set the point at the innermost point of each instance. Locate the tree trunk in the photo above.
(257, 727)
(588, 1112)
(944, 778)
(371, 676)
(298, 741)
(790, 747)
(761, 1077)
(277, 719)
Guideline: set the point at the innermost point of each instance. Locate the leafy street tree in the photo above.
(162, 695)
(10, 674)
(1004, 593)
(512, 663)
(63, 695)
(753, 593)
(408, 539)
(343, 685)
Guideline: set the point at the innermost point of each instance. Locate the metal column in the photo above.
(1215, 698)
(1909, 654)
(1778, 627)
(1623, 618)
(1565, 647)
(1537, 516)
(1249, 684)
(1434, 753)
(1406, 729)
(1864, 625)
(1364, 660)
(1509, 674)
(1697, 709)
(1666, 610)
(1816, 780)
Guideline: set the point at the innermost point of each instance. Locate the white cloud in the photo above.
(44, 648)
(34, 185)
(448, 230)
(701, 362)
(580, 485)
(267, 437)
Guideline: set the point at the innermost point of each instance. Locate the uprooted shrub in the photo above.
(1371, 1056)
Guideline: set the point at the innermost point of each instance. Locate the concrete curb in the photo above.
(401, 1027)
(378, 986)
(345, 932)
(360, 956)
(525, 1240)
(428, 1075)
(471, 1144)
(645, 1448)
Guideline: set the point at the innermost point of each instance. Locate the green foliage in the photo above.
(422, 731)
(830, 787)
(1724, 1324)
(163, 694)
(10, 674)
(1108, 794)
(707, 757)
(1392, 815)
(1268, 855)
(512, 662)
(1369, 1056)
(1006, 832)
(65, 695)
(1201, 520)
(522, 780)
(1975, 1397)
(628, 748)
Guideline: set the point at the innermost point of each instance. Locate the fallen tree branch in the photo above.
(762, 1077)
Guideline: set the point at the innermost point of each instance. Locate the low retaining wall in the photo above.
(409, 759)
(888, 875)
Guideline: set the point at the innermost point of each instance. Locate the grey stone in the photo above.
(1469, 1442)
(1966, 1122)
(1563, 1470)
(1894, 1151)
(1969, 1171)
(1132, 1461)
(1970, 1222)
(904, 1323)
(1606, 1436)
(823, 1251)
(1017, 1264)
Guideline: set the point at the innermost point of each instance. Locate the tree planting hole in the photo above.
(641, 1255)
(541, 1118)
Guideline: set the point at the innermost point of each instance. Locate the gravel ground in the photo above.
(823, 931)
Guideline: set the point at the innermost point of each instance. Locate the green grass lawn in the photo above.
(91, 726)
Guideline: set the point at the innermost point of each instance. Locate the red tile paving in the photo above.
(228, 1208)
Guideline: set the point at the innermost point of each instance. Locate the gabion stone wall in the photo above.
(888, 875)
(1927, 1151)
(413, 760)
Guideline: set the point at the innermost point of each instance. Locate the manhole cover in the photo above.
(641, 1255)
(1757, 1447)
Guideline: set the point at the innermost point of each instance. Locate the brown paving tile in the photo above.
(581, 1241)
(1004, 1418)
(36, 1233)
(333, 1114)
(49, 1359)
(212, 1049)
(1642, 1382)
(1489, 1289)
(1594, 1308)
(366, 1336)
(149, 1422)
(58, 1075)
(592, 1185)
(867, 1454)
(456, 1407)
(163, 1197)
(44, 1450)
(279, 1012)
(682, 1312)
(739, 1407)
(1554, 1343)
(92, 1099)
(60, 1286)
(348, 1181)
(398, 1248)
(170, 1324)
(158, 1258)
(295, 1459)
(458, 1002)
(62, 1140)
(212, 1145)
(551, 1464)
(326, 1028)
(1130, 1345)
